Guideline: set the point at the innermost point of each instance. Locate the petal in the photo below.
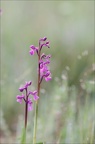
(19, 100)
(30, 103)
(31, 52)
(27, 84)
(30, 107)
(33, 47)
(30, 92)
(45, 45)
(43, 39)
(47, 73)
(21, 89)
(19, 97)
(47, 62)
(34, 92)
(47, 42)
(48, 78)
(36, 97)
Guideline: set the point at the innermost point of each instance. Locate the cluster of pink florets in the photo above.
(43, 62)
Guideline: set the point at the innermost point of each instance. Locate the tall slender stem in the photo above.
(26, 110)
(26, 114)
(36, 104)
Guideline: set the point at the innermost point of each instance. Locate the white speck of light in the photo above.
(64, 77)
(57, 97)
(43, 91)
(92, 82)
(85, 74)
(85, 53)
(83, 85)
(93, 66)
(67, 68)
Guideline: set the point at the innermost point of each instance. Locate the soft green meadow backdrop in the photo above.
(67, 103)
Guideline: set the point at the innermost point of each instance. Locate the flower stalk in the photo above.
(43, 72)
(26, 114)
(28, 104)
(36, 104)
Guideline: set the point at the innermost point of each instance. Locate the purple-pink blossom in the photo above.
(25, 86)
(44, 60)
(30, 105)
(25, 97)
(35, 96)
(47, 76)
(33, 49)
(43, 39)
(44, 69)
(20, 98)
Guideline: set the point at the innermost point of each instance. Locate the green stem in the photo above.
(26, 114)
(23, 138)
(36, 104)
(35, 122)
(26, 110)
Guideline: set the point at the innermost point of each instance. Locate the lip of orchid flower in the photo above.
(35, 96)
(48, 78)
(30, 103)
(20, 98)
(33, 50)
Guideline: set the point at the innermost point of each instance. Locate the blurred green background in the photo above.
(66, 107)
